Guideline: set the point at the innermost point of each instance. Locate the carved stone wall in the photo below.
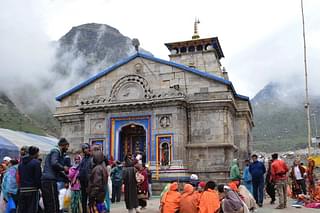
(130, 87)
(207, 125)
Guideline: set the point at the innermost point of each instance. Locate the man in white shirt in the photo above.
(297, 175)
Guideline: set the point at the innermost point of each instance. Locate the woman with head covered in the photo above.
(231, 202)
(97, 181)
(170, 202)
(209, 200)
(189, 200)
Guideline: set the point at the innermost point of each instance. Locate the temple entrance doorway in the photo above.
(132, 140)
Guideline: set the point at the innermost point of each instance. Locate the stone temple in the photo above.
(183, 115)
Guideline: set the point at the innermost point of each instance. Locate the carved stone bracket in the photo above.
(130, 87)
(165, 121)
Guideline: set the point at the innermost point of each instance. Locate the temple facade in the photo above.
(183, 115)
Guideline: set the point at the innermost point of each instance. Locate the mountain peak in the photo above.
(95, 27)
(88, 48)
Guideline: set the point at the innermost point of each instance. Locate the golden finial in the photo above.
(195, 33)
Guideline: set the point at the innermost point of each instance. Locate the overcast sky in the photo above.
(261, 39)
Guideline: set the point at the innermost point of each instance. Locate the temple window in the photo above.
(165, 154)
(183, 49)
(209, 47)
(164, 150)
(98, 142)
(191, 49)
(199, 48)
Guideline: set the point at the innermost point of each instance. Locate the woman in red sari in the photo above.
(310, 177)
(143, 186)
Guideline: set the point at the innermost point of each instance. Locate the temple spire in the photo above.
(195, 33)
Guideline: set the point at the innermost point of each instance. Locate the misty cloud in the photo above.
(28, 55)
(278, 58)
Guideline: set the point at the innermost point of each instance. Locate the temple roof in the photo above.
(214, 42)
(158, 60)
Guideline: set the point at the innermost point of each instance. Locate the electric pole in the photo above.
(307, 103)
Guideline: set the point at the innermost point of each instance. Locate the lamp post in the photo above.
(307, 103)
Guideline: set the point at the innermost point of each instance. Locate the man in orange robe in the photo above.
(170, 202)
(189, 200)
(209, 200)
(316, 195)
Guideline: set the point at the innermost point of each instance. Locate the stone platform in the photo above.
(153, 206)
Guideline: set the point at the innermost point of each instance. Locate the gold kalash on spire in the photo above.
(195, 33)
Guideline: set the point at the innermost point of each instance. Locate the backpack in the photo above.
(139, 177)
(117, 174)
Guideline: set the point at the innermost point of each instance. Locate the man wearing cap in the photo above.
(194, 180)
(84, 171)
(30, 181)
(6, 160)
(52, 170)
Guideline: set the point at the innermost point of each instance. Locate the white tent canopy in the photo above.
(13, 140)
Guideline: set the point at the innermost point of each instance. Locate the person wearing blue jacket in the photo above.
(9, 183)
(53, 169)
(257, 170)
(30, 181)
(247, 178)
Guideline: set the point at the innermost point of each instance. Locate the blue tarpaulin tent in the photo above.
(11, 141)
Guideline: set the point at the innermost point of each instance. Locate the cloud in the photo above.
(279, 58)
(25, 50)
(262, 40)
(27, 55)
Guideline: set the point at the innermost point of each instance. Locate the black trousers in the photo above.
(28, 202)
(271, 191)
(84, 196)
(302, 185)
(50, 196)
(116, 192)
(142, 202)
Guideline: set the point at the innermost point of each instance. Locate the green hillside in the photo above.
(279, 128)
(11, 118)
(280, 120)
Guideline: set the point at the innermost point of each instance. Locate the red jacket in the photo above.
(279, 170)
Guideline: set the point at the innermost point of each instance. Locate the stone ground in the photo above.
(153, 205)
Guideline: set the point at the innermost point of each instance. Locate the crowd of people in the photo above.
(89, 183)
(206, 197)
(92, 181)
(246, 193)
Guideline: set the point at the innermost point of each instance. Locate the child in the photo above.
(64, 198)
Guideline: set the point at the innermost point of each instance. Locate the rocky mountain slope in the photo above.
(279, 114)
(88, 48)
(82, 52)
(280, 118)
